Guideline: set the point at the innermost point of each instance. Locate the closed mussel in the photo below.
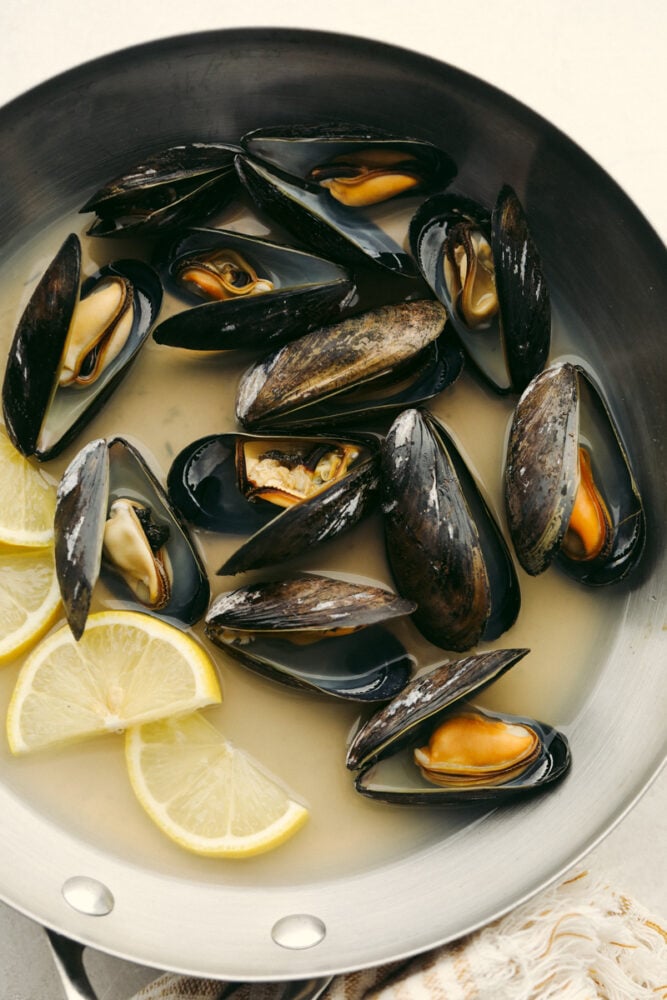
(177, 186)
(317, 180)
(247, 292)
(445, 549)
(381, 360)
(569, 490)
(486, 270)
(316, 632)
(73, 346)
(288, 493)
(113, 516)
(429, 746)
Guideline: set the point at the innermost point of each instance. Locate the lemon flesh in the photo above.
(128, 668)
(207, 795)
(27, 500)
(29, 598)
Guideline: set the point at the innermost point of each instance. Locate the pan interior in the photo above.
(576, 676)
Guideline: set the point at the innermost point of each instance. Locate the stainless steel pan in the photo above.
(67, 136)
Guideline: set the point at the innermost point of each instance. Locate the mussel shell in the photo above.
(41, 417)
(100, 474)
(296, 149)
(380, 360)
(397, 780)
(170, 188)
(445, 549)
(411, 714)
(307, 291)
(203, 484)
(366, 665)
(561, 409)
(516, 345)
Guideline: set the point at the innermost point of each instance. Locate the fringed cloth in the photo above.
(581, 940)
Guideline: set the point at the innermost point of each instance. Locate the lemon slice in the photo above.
(128, 668)
(27, 500)
(206, 794)
(29, 598)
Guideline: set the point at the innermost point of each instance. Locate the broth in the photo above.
(300, 736)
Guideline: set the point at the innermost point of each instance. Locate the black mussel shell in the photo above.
(398, 780)
(205, 483)
(42, 417)
(100, 474)
(264, 625)
(445, 549)
(321, 223)
(405, 719)
(511, 345)
(309, 151)
(286, 167)
(173, 187)
(380, 360)
(306, 291)
(561, 411)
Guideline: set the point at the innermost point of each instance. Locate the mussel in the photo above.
(445, 549)
(113, 515)
(71, 350)
(429, 747)
(316, 180)
(381, 360)
(289, 493)
(487, 272)
(569, 489)
(248, 292)
(177, 186)
(315, 632)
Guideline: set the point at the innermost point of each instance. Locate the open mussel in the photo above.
(113, 516)
(569, 490)
(445, 549)
(316, 180)
(72, 348)
(246, 292)
(177, 186)
(289, 493)
(315, 632)
(429, 747)
(486, 270)
(380, 360)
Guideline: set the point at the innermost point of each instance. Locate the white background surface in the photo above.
(596, 70)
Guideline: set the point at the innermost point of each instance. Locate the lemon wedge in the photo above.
(29, 598)
(128, 668)
(206, 794)
(27, 500)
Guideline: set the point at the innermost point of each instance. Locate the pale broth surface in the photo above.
(172, 397)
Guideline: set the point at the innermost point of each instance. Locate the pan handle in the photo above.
(68, 960)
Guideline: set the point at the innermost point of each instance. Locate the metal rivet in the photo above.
(298, 930)
(87, 895)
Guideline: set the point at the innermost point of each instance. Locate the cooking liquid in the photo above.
(173, 396)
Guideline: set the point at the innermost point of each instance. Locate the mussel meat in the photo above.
(569, 490)
(272, 628)
(445, 550)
